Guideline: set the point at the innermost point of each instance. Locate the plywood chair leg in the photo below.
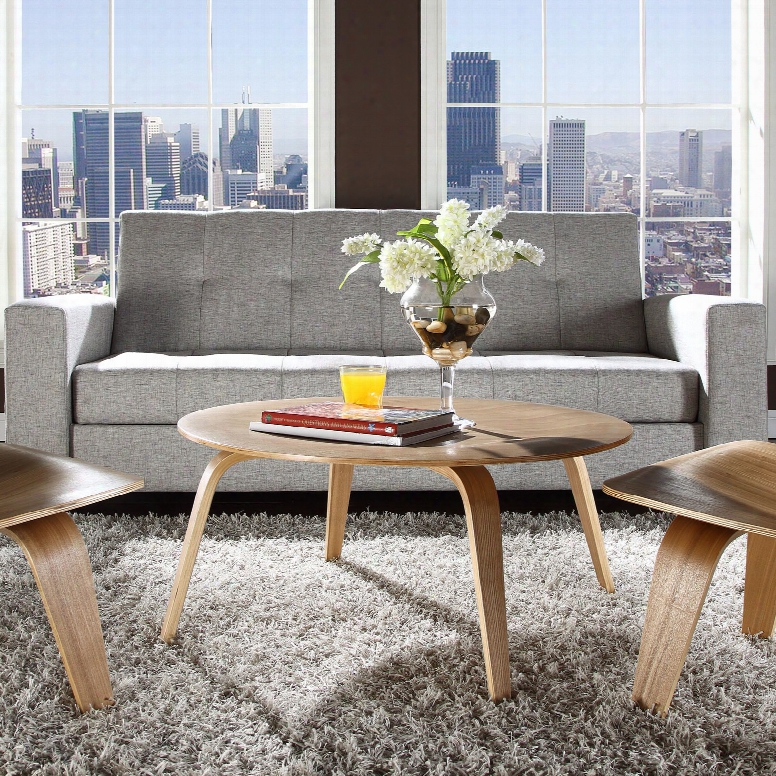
(483, 520)
(576, 470)
(199, 514)
(760, 587)
(684, 566)
(340, 480)
(60, 564)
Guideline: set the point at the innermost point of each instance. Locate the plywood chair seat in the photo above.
(36, 492)
(717, 494)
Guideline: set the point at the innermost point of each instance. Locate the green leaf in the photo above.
(370, 258)
(497, 234)
(438, 245)
(423, 227)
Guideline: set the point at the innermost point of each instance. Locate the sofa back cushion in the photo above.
(159, 281)
(269, 280)
(246, 282)
(322, 316)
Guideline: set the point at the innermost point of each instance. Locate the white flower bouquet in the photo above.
(449, 250)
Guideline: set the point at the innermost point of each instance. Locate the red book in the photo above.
(337, 416)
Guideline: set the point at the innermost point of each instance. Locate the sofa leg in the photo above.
(60, 564)
(760, 586)
(199, 514)
(684, 566)
(576, 470)
(340, 479)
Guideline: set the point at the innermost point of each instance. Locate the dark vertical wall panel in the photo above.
(377, 94)
(771, 387)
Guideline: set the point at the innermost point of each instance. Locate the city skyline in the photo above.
(259, 55)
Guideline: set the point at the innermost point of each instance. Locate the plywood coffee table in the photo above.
(506, 432)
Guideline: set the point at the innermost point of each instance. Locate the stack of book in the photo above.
(395, 426)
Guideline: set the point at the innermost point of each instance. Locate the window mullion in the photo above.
(545, 136)
(210, 123)
(642, 139)
(111, 149)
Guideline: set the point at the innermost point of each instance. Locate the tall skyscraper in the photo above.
(163, 165)
(723, 173)
(194, 175)
(473, 134)
(90, 152)
(691, 158)
(41, 153)
(47, 256)
(188, 139)
(530, 189)
(491, 178)
(37, 193)
(566, 165)
(245, 139)
(152, 125)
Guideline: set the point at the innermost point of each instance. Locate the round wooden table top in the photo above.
(506, 432)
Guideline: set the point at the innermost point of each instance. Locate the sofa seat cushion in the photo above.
(157, 388)
(151, 388)
(636, 387)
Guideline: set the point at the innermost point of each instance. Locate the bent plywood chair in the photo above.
(36, 492)
(716, 494)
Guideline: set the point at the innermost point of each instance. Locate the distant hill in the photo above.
(628, 142)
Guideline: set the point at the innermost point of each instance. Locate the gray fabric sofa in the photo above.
(243, 305)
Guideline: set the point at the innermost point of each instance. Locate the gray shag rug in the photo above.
(285, 664)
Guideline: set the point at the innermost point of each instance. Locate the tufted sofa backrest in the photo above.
(268, 279)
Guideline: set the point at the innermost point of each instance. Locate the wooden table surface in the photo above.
(506, 432)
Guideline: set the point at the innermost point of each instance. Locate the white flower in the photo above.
(403, 261)
(364, 243)
(475, 254)
(490, 218)
(479, 253)
(504, 256)
(529, 252)
(452, 222)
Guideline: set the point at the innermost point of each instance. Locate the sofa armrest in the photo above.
(725, 340)
(45, 339)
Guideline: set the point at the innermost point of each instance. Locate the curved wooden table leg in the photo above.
(684, 566)
(483, 520)
(760, 586)
(199, 514)
(60, 563)
(340, 479)
(576, 470)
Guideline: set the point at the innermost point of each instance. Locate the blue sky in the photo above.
(593, 56)
(160, 57)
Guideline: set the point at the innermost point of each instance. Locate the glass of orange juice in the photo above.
(363, 385)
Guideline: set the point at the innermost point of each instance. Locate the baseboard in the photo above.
(771, 424)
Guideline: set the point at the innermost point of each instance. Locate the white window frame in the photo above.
(750, 43)
(320, 107)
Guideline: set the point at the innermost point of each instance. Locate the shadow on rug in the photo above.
(285, 664)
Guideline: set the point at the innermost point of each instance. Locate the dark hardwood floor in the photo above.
(314, 502)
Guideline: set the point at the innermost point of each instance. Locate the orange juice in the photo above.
(363, 385)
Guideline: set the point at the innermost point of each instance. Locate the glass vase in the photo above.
(448, 327)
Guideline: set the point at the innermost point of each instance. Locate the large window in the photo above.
(152, 104)
(602, 105)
